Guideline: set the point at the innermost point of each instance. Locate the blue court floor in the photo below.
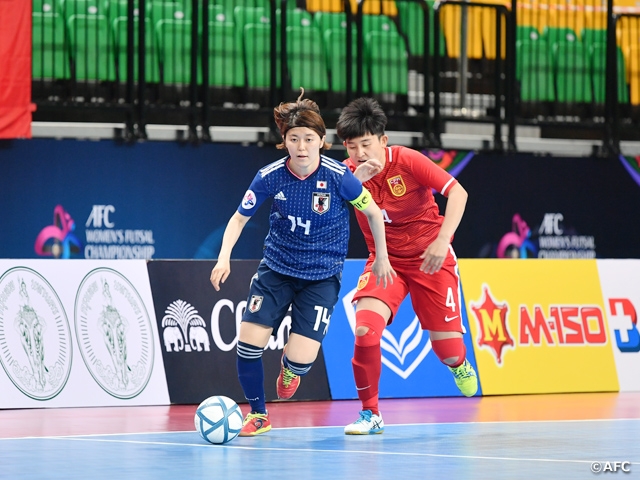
(565, 449)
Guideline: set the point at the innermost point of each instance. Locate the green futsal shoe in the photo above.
(466, 378)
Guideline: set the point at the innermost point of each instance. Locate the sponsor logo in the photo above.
(279, 196)
(624, 320)
(184, 329)
(255, 303)
(249, 200)
(448, 319)
(114, 333)
(553, 239)
(397, 186)
(104, 241)
(493, 332)
(564, 325)
(59, 240)
(402, 355)
(321, 202)
(35, 336)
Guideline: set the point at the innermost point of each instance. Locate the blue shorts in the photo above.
(311, 301)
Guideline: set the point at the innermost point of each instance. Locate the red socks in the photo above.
(367, 362)
(451, 349)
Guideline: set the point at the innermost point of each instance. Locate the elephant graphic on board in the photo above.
(199, 338)
(173, 337)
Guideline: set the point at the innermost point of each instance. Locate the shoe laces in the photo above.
(287, 377)
(252, 416)
(463, 371)
(365, 416)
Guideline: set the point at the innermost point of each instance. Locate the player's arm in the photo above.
(433, 257)
(222, 268)
(381, 267)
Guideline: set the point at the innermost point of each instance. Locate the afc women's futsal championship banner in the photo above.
(78, 333)
(545, 326)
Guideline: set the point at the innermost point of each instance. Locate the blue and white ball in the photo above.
(218, 419)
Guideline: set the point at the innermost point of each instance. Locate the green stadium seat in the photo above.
(335, 41)
(589, 36)
(387, 60)
(598, 55)
(326, 20)
(230, 5)
(118, 8)
(91, 47)
(226, 66)
(299, 18)
(305, 58)
(49, 58)
(411, 19)
(573, 82)
(554, 35)
(173, 38)
(158, 10)
(535, 71)
(377, 23)
(46, 6)
(257, 56)
(83, 7)
(151, 65)
(218, 14)
(249, 15)
(527, 32)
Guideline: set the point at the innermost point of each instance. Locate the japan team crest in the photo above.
(321, 202)
(255, 303)
(398, 188)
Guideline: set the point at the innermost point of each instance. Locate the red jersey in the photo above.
(402, 190)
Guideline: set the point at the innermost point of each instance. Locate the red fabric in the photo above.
(367, 366)
(367, 359)
(403, 191)
(374, 322)
(450, 348)
(15, 69)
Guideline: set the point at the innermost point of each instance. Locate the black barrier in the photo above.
(198, 330)
(551, 207)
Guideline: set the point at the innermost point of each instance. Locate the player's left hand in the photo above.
(367, 170)
(383, 271)
(433, 257)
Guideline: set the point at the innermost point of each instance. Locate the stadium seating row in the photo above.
(558, 64)
(93, 47)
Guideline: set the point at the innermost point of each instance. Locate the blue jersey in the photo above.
(309, 221)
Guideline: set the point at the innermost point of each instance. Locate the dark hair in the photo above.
(301, 113)
(363, 116)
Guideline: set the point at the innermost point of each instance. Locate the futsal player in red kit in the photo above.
(419, 245)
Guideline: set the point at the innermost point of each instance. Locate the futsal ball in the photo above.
(218, 419)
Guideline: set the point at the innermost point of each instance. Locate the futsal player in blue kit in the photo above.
(304, 254)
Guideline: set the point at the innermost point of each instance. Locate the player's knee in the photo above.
(370, 338)
(450, 351)
(360, 331)
(369, 328)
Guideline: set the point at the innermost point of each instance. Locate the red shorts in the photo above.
(436, 299)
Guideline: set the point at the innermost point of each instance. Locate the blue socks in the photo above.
(251, 375)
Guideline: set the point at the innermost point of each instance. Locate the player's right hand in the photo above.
(219, 274)
(383, 271)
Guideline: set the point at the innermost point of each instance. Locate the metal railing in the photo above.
(428, 64)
